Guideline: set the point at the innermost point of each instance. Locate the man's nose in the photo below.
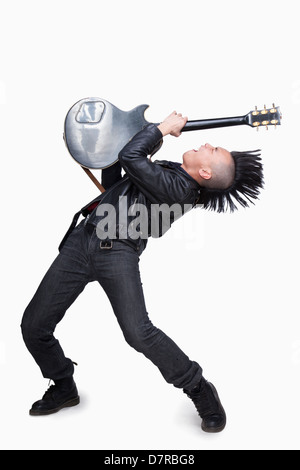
(208, 146)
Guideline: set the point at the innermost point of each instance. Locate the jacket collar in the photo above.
(172, 165)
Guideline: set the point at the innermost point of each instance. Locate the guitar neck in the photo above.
(212, 123)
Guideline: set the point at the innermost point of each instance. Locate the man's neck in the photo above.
(191, 172)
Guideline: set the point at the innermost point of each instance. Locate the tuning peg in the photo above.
(255, 112)
(264, 111)
(273, 110)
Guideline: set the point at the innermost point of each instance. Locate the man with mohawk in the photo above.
(209, 177)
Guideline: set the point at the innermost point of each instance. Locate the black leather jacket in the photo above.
(145, 182)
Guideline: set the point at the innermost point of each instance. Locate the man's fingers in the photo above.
(173, 124)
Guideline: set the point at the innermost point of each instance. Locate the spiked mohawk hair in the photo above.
(248, 180)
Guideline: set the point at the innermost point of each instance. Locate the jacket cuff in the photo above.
(145, 142)
(155, 133)
(156, 130)
(159, 139)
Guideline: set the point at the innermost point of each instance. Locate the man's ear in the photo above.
(205, 174)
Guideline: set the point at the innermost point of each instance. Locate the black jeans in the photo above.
(81, 261)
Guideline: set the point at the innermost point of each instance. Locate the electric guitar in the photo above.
(95, 131)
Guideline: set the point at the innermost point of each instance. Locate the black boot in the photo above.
(208, 405)
(63, 394)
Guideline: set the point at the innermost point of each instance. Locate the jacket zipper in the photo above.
(86, 219)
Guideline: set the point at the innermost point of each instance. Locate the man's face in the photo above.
(206, 155)
(210, 165)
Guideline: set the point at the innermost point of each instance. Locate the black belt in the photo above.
(104, 244)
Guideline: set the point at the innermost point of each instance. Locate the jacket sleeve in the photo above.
(160, 185)
(111, 175)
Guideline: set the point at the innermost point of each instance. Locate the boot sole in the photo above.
(213, 430)
(68, 404)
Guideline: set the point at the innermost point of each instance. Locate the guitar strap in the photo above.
(94, 179)
(79, 213)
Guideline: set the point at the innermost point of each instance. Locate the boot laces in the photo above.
(50, 391)
(204, 400)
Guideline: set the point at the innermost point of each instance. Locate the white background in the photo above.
(224, 287)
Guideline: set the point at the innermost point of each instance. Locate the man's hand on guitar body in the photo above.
(173, 124)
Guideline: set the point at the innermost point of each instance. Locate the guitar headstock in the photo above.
(264, 117)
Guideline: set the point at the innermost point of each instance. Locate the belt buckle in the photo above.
(106, 245)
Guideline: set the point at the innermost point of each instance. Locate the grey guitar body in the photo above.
(95, 131)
